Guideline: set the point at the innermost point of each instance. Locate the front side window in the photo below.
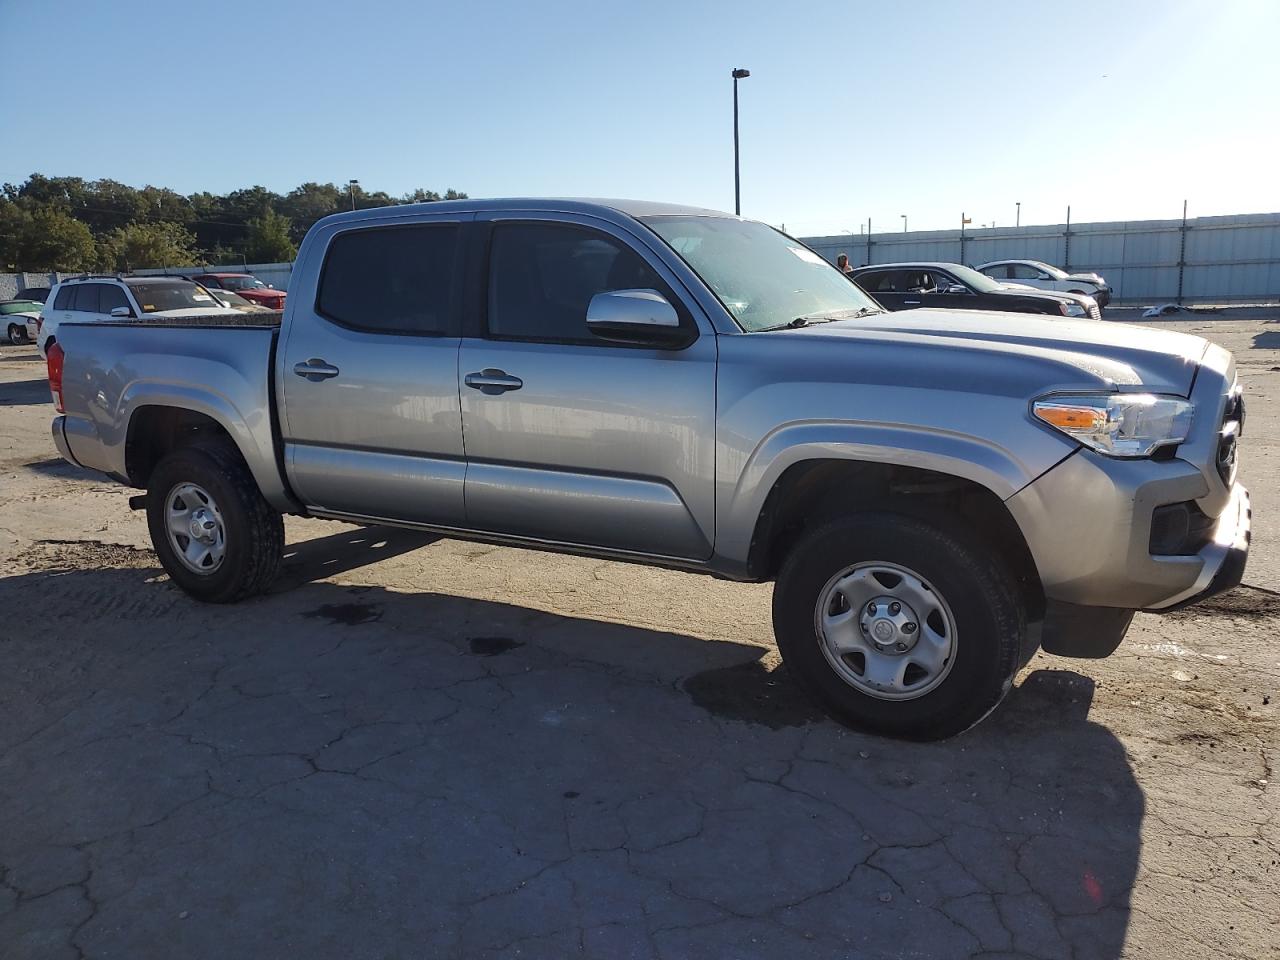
(391, 279)
(765, 279)
(86, 298)
(110, 297)
(542, 277)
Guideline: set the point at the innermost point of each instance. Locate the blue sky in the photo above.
(853, 110)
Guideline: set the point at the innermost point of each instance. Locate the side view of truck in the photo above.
(934, 493)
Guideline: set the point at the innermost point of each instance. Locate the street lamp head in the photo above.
(353, 183)
(740, 74)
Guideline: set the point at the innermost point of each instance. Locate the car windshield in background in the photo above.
(972, 278)
(242, 283)
(763, 277)
(20, 306)
(1050, 269)
(159, 297)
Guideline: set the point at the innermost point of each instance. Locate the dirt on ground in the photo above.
(420, 747)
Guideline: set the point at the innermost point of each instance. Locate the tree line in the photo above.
(70, 224)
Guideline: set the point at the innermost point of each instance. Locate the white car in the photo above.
(20, 319)
(1045, 276)
(96, 299)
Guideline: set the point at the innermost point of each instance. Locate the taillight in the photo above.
(54, 355)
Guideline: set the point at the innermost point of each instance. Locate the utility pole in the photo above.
(737, 74)
(1018, 214)
(351, 188)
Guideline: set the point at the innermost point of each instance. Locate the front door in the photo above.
(569, 438)
(368, 375)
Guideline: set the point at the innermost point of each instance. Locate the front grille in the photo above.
(1095, 313)
(1227, 456)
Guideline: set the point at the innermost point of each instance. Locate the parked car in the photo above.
(236, 302)
(246, 285)
(99, 299)
(21, 319)
(679, 387)
(39, 294)
(908, 286)
(1044, 276)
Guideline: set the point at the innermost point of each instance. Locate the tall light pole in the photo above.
(738, 74)
(1018, 221)
(351, 187)
(904, 222)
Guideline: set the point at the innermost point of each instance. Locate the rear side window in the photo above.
(65, 297)
(542, 276)
(883, 282)
(391, 280)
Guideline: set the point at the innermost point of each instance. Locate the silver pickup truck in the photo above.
(935, 493)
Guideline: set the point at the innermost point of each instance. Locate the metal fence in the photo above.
(1205, 259)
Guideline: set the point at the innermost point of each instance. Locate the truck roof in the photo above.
(630, 208)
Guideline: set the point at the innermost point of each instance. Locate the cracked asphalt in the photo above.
(427, 748)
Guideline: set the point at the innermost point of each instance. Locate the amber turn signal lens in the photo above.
(1072, 418)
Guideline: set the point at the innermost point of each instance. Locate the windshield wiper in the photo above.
(813, 318)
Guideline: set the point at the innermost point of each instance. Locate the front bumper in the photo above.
(1225, 556)
(1103, 296)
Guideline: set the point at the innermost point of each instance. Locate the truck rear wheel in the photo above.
(899, 626)
(216, 536)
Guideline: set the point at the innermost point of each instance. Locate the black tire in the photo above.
(989, 615)
(254, 532)
(17, 335)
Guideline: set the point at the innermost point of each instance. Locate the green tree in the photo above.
(49, 239)
(269, 239)
(141, 245)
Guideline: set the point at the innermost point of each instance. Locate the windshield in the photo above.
(158, 297)
(764, 278)
(1049, 269)
(20, 306)
(242, 283)
(967, 275)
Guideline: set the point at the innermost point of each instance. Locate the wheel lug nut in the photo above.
(900, 646)
(895, 608)
(871, 609)
(908, 627)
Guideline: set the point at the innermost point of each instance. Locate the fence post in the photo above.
(1182, 250)
(868, 241)
(1066, 243)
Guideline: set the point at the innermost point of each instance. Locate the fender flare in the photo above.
(968, 457)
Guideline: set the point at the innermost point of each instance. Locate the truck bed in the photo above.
(267, 320)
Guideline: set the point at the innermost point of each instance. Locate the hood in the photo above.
(1086, 353)
(194, 312)
(1089, 277)
(258, 293)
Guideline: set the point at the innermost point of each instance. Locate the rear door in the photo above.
(582, 441)
(368, 374)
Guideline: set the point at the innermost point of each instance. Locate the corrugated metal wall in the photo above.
(1220, 259)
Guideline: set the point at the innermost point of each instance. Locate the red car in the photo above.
(247, 285)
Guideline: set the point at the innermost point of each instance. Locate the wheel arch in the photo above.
(811, 491)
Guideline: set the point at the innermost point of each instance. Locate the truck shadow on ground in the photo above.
(433, 775)
(22, 393)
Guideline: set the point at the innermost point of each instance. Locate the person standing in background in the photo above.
(842, 263)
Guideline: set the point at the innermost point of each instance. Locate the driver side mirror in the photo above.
(956, 288)
(122, 312)
(638, 317)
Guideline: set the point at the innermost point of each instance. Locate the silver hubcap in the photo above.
(885, 631)
(195, 528)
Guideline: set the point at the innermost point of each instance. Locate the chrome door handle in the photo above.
(911, 303)
(315, 370)
(492, 382)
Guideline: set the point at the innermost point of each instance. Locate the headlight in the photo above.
(1073, 310)
(1119, 424)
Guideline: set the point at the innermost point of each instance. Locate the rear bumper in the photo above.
(59, 430)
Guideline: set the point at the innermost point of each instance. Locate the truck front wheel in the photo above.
(899, 626)
(216, 536)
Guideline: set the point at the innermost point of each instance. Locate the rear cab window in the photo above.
(391, 280)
